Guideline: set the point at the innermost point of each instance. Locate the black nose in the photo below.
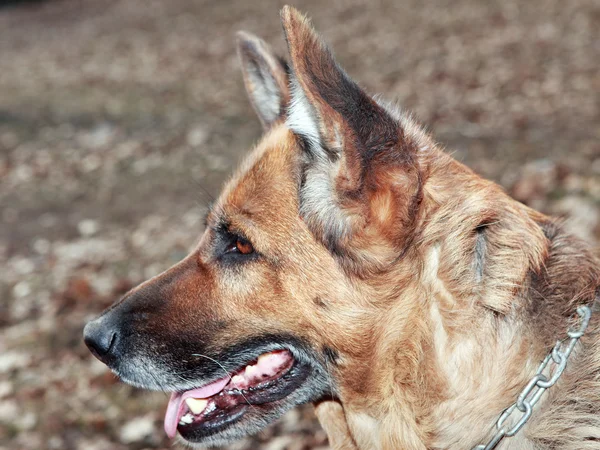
(101, 337)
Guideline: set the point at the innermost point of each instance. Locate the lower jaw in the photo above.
(197, 431)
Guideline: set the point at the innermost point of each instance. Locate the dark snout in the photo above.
(155, 327)
(101, 336)
(130, 323)
(136, 316)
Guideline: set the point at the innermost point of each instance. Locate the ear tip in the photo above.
(299, 31)
(285, 11)
(249, 44)
(243, 43)
(244, 37)
(290, 14)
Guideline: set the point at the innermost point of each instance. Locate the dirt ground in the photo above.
(120, 119)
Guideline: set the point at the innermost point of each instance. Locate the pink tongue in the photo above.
(177, 399)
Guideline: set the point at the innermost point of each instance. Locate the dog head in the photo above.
(288, 291)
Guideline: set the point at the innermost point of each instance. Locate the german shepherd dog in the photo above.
(351, 263)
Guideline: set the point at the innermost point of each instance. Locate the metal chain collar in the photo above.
(536, 387)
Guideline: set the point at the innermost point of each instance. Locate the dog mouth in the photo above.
(213, 407)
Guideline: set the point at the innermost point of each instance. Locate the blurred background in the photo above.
(119, 120)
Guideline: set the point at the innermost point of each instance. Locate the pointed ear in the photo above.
(362, 178)
(343, 115)
(265, 77)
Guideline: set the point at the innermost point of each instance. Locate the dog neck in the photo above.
(492, 302)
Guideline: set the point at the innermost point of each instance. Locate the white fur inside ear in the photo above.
(265, 93)
(301, 117)
(319, 205)
(318, 200)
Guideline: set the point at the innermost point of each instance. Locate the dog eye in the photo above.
(242, 246)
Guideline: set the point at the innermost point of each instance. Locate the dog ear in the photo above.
(361, 178)
(265, 77)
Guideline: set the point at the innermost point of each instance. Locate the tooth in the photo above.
(196, 405)
(237, 380)
(264, 357)
(187, 419)
(251, 371)
(271, 361)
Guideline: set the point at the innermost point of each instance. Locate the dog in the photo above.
(353, 264)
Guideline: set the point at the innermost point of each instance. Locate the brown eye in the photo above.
(243, 246)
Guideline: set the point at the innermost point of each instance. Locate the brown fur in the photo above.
(434, 303)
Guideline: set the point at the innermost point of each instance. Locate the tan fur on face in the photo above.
(277, 232)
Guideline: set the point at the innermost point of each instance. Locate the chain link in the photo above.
(555, 362)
